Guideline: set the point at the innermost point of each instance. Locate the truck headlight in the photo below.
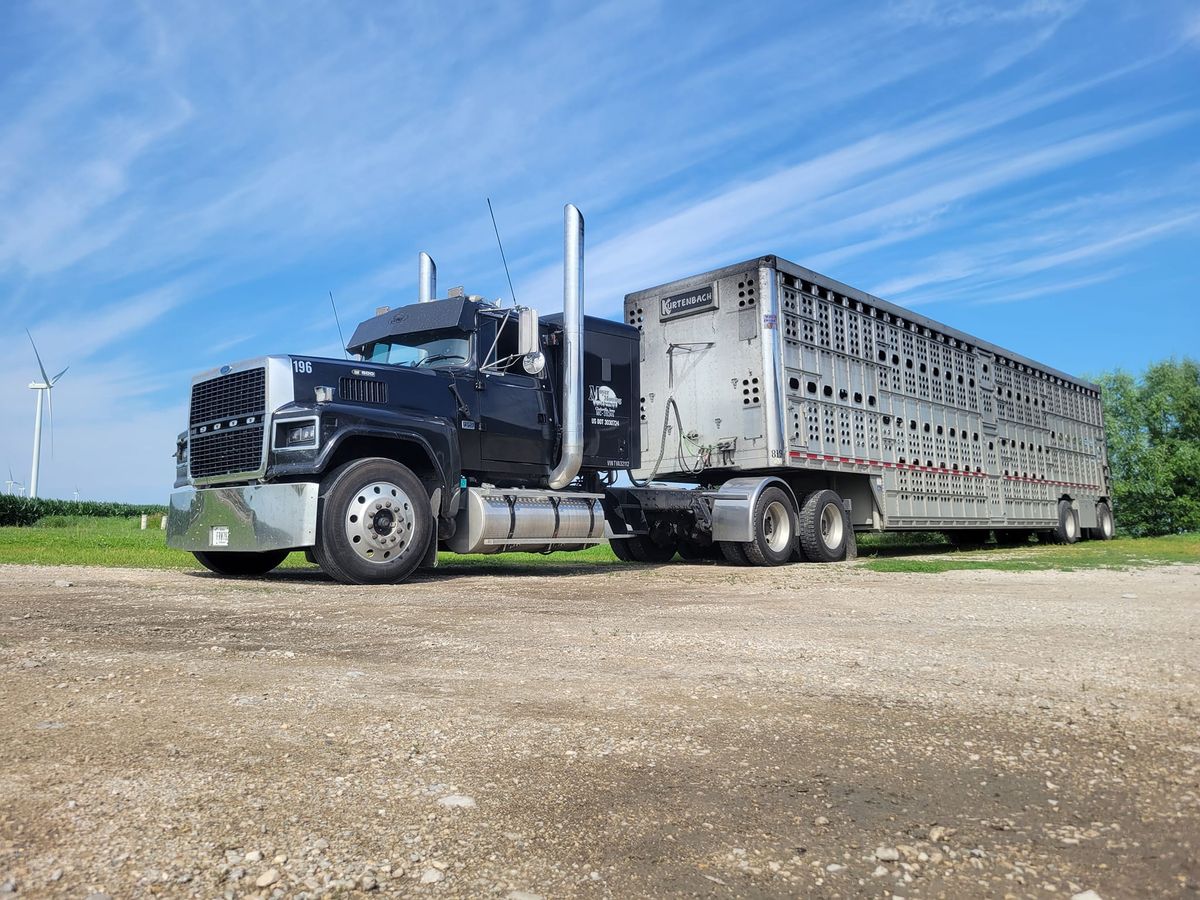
(301, 435)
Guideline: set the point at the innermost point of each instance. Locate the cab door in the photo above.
(516, 429)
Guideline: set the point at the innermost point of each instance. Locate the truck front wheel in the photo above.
(375, 522)
(241, 565)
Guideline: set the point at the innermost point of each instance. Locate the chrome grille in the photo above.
(229, 396)
(362, 390)
(227, 424)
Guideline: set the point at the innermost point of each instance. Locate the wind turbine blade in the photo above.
(45, 377)
(54, 380)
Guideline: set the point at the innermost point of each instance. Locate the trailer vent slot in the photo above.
(362, 390)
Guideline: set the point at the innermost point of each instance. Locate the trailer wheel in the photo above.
(774, 529)
(375, 523)
(1105, 528)
(823, 527)
(241, 565)
(1067, 530)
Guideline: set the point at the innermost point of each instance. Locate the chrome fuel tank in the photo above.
(499, 520)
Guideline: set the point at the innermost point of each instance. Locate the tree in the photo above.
(1153, 430)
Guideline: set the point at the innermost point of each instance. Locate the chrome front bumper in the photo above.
(248, 518)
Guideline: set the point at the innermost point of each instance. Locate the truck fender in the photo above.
(445, 494)
(733, 506)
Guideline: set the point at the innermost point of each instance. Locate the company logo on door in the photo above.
(605, 404)
(678, 305)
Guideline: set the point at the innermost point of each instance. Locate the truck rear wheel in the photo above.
(734, 552)
(823, 527)
(774, 529)
(241, 565)
(641, 549)
(375, 523)
(694, 552)
(1067, 530)
(1105, 528)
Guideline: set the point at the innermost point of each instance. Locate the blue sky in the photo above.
(182, 183)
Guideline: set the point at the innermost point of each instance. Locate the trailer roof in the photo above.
(854, 294)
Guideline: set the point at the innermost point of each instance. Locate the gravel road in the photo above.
(685, 730)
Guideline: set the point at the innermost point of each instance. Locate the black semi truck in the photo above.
(759, 413)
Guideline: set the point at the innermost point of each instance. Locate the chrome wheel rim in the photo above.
(777, 526)
(379, 522)
(1070, 524)
(1106, 523)
(831, 526)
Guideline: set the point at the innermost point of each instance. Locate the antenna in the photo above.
(501, 246)
(338, 322)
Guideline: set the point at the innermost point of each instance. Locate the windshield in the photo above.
(432, 349)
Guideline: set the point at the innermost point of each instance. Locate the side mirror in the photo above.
(534, 362)
(527, 331)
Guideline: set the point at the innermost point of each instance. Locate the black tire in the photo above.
(1067, 529)
(641, 549)
(647, 550)
(1105, 529)
(375, 523)
(774, 525)
(823, 527)
(699, 552)
(241, 564)
(620, 549)
(967, 538)
(734, 552)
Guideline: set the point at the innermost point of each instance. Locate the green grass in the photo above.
(83, 541)
(86, 541)
(1123, 553)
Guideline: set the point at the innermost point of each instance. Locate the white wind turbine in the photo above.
(42, 387)
(12, 486)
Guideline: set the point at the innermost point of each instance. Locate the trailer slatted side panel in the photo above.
(950, 431)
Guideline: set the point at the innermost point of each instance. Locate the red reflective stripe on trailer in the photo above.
(854, 461)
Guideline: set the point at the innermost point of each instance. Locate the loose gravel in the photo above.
(685, 730)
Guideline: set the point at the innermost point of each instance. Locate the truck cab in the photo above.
(457, 423)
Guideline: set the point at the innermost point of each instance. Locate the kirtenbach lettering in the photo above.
(685, 304)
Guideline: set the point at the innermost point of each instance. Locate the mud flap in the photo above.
(851, 539)
(430, 559)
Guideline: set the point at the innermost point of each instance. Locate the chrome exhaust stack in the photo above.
(572, 400)
(427, 279)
